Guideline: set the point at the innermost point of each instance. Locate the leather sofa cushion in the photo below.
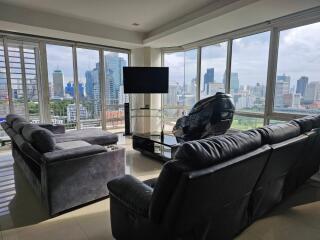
(18, 125)
(316, 121)
(10, 118)
(276, 133)
(211, 151)
(41, 139)
(305, 123)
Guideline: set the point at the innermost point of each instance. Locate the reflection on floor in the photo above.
(23, 217)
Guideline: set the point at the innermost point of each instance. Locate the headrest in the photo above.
(214, 150)
(10, 118)
(316, 121)
(18, 125)
(305, 123)
(40, 138)
(279, 132)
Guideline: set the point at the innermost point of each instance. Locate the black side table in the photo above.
(151, 145)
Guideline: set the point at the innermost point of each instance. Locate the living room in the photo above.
(159, 119)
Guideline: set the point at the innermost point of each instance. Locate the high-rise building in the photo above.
(69, 89)
(93, 89)
(172, 96)
(282, 88)
(312, 92)
(114, 73)
(296, 100)
(302, 85)
(72, 112)
(207, 79)
(234, 82)
(57, 77)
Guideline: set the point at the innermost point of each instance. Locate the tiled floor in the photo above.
(23, 218)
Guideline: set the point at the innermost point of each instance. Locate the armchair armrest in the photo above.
(54, 128)
(71, 153)
(132, 193)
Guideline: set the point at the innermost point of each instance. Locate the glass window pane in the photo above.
(89, 88)
(61, 85)
(246, 123)
(274, 121)
(297, 87)
(115, 97)
(4, 98)
(182, 86)
(190, 79)
(213, 68)
(31, 52)
(249, 72)
(15, 67)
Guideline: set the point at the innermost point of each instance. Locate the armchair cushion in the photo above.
(18, 125)
(54, 128)
(10, 118)
(72, 144)
(132, 193)
(71, 153)
(40, 138)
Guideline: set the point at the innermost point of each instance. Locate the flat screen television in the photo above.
(145, 79)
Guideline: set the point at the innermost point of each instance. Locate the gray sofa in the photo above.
(66, 170)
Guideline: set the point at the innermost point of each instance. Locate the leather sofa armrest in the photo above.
(132, 193)
(54, 128)
(72, 153)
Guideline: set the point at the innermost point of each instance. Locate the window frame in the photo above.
(275, 27)
(42, 69)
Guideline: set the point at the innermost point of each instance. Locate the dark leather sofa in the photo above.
(64, 174)
(218, 186)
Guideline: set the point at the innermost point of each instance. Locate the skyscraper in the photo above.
(282, 88)
(114, 73)
(302, 85)
(234, 82)
(312, 93)
(207, 79)
(93, 89)
(57, 77)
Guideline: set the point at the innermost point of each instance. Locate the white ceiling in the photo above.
(150, 14)
(163, 23)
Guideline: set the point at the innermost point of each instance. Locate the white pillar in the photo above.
(146, 57)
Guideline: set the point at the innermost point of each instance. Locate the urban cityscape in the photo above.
(291, 95)
(62, 94)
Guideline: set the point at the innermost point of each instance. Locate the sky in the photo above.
(299, 55)
(60, 57)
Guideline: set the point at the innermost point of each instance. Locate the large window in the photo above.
(63, 109)
(213, 69)
(89, 87)
(297, 87)
(245, 123)
(182, 86)
(115, 97)
(4, 98)
(22, 72)
(248, 78)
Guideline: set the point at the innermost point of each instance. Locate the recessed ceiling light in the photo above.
(135, 24)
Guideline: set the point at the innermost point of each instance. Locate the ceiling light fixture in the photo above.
(135, 24)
